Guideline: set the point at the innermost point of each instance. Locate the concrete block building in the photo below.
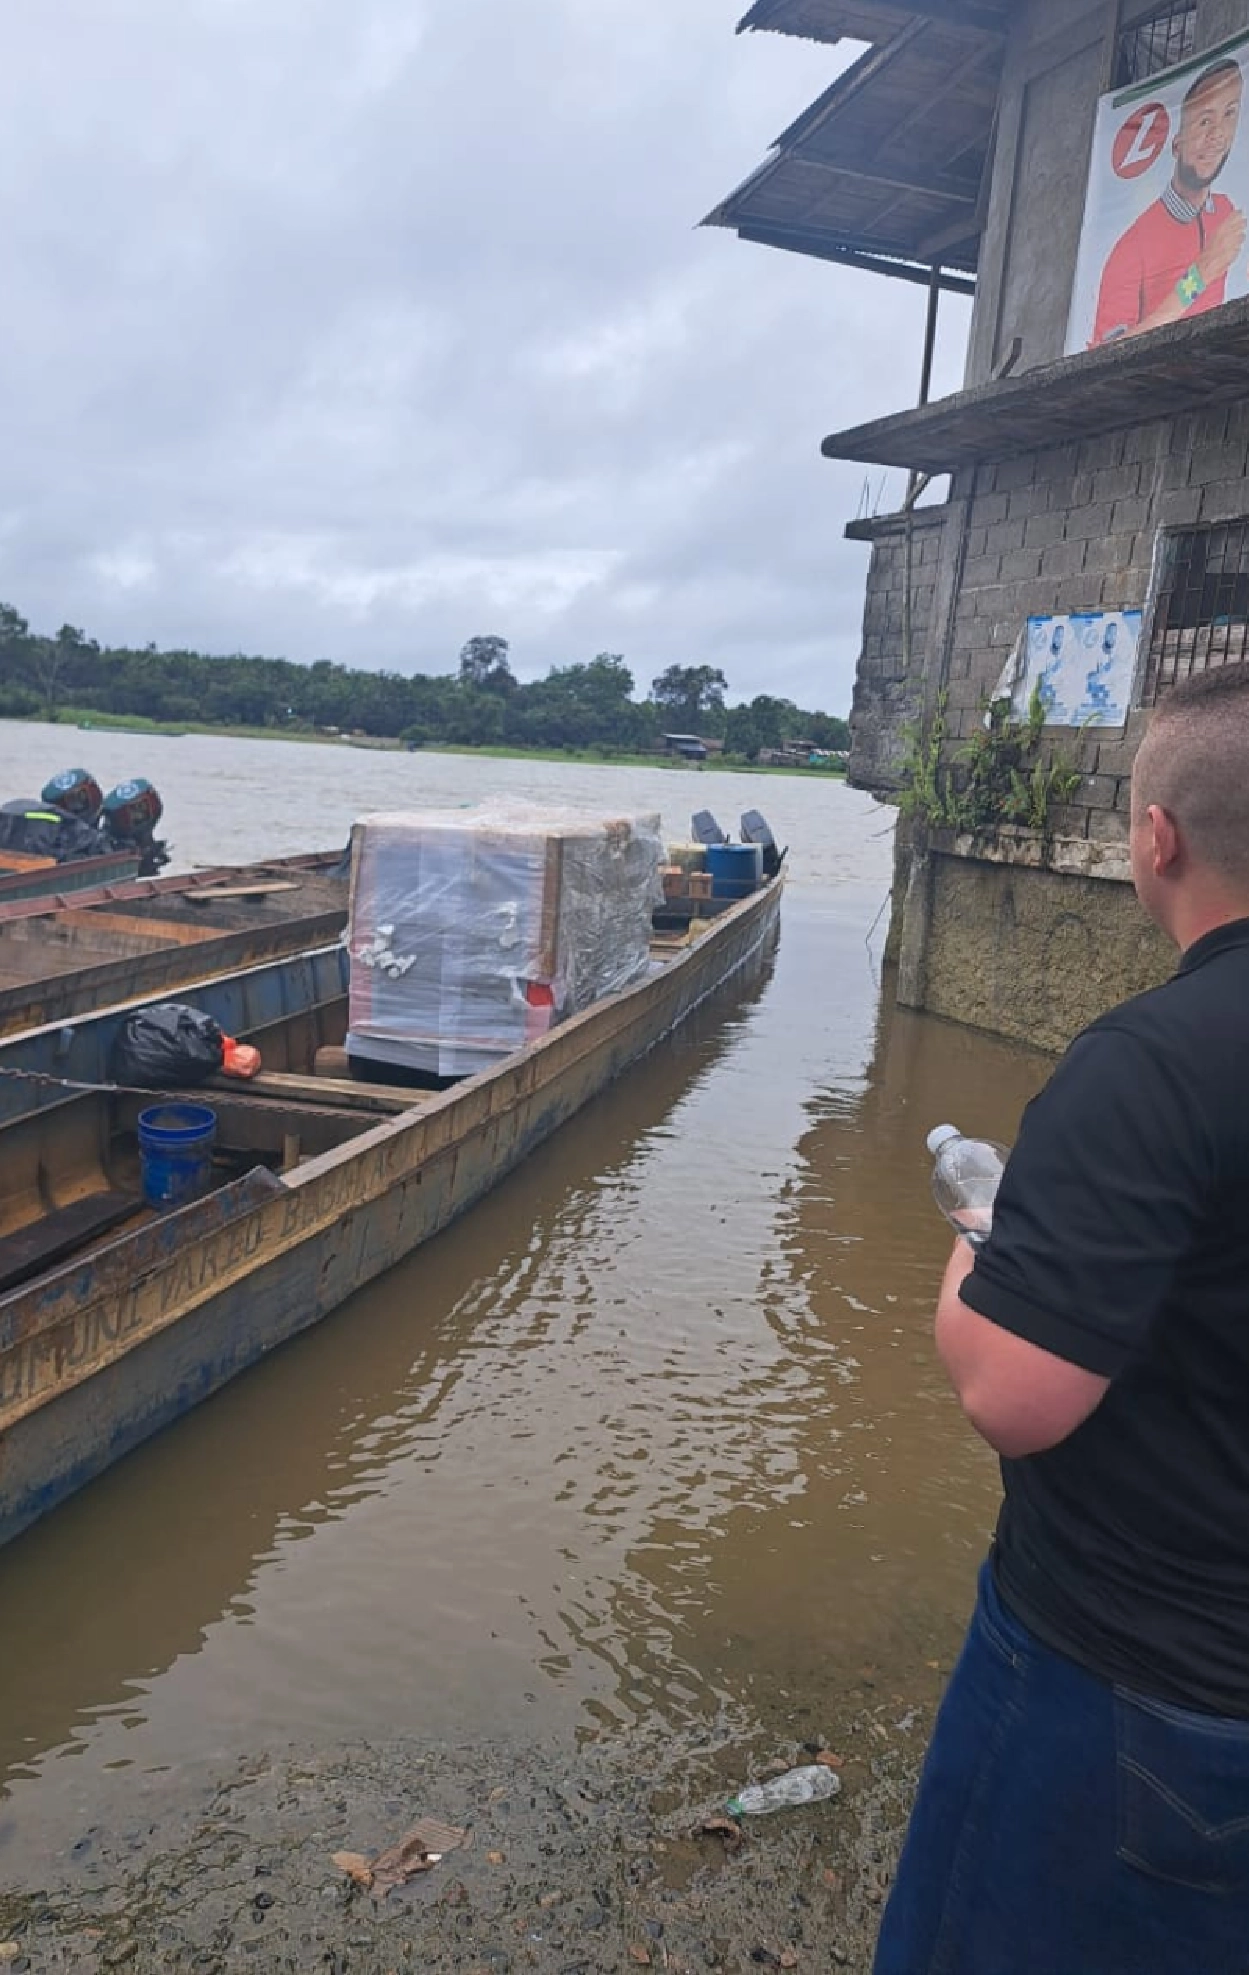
(1082, 168)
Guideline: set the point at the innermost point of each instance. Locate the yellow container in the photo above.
(688, 856)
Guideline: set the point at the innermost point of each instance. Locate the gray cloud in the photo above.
(350, 331)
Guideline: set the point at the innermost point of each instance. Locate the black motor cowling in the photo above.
(128, 820)
(76, 791)
(704, 828)
(38, 829)
(755, 829)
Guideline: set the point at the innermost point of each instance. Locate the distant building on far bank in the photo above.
(800, 754)
(691, 747)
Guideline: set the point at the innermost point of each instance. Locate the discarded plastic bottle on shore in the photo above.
(965, 1180)
(808, 1785)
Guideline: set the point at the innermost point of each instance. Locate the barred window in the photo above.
(1163, 37)
(1201, 605)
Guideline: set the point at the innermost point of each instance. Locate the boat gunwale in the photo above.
(176, 884)
(298, 1206)
(205, 959)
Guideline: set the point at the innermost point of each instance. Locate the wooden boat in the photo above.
(258, 1481)
(245, 879)
(153, 936)
(25, 877)
(114, 1319)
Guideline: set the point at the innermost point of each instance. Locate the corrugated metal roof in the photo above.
(889, 164)
(817, 20)
(867, 20)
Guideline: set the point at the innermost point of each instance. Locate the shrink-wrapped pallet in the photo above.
(473, 932)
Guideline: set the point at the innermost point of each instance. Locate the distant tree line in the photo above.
(591, 705)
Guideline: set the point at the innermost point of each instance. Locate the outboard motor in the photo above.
(128, 821)
(755, 830)
(40, 829)
(76, 791)
(704, 829)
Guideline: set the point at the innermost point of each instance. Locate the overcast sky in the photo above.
(350, 328)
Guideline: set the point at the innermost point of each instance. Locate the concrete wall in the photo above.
(1072, 528)
(888, 698)
(1217, 19)
(1054, 72)
(1032, 954)
(1059, 61)
(985, 939)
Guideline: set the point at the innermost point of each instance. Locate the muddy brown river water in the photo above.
(648, 1461)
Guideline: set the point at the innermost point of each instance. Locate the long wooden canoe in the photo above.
(58, 963)
(115, 1320)
(135, 891)
(24, 878)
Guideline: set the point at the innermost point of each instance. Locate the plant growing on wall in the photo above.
(925, 777)
(1002, 774)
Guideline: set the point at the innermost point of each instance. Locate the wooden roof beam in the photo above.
(953, 81)
(855, 80)
(954, 13)
(941, 239)
(960, 231)
(952, 191)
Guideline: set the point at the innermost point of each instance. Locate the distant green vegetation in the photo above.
(576, 708)
(611, 758)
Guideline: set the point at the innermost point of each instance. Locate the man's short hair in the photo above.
(1217, 72)
(1194, 763)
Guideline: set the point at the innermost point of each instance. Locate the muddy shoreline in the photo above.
(596, 1862)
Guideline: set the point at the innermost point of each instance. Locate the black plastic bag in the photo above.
(168, 1044)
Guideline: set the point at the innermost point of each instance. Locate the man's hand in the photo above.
(1022, 1400)
(1223, 248)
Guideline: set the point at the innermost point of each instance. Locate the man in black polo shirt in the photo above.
(1084, 1807)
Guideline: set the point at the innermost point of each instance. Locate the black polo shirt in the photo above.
(1121, 1243)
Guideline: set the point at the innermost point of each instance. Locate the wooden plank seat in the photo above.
(252, 1125)
(28, 1251)
(24, 860)
(343, 1092)
(260, 889)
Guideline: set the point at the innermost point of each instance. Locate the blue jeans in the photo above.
(1066, 1827)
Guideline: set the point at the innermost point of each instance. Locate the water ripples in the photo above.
(654, 1431)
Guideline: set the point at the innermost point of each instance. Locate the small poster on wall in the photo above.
(1083, 664)
(1164, 234)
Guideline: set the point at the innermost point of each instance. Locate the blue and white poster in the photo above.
(1082, 663)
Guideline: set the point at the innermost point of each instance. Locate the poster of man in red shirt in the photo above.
(1160, 150)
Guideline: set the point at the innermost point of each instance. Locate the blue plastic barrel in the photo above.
(736, 869)
(175, 1152)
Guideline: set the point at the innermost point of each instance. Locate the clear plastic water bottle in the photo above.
(965, 1178)
(808, 1785)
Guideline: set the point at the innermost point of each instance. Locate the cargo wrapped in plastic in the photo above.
(473, 932)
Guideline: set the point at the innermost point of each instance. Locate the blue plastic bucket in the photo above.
(175, 1152)
(736, 869)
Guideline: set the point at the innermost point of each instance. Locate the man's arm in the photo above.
(1119, 308)
(1224, 248)
(1103, 1199)
(1022, 1400)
